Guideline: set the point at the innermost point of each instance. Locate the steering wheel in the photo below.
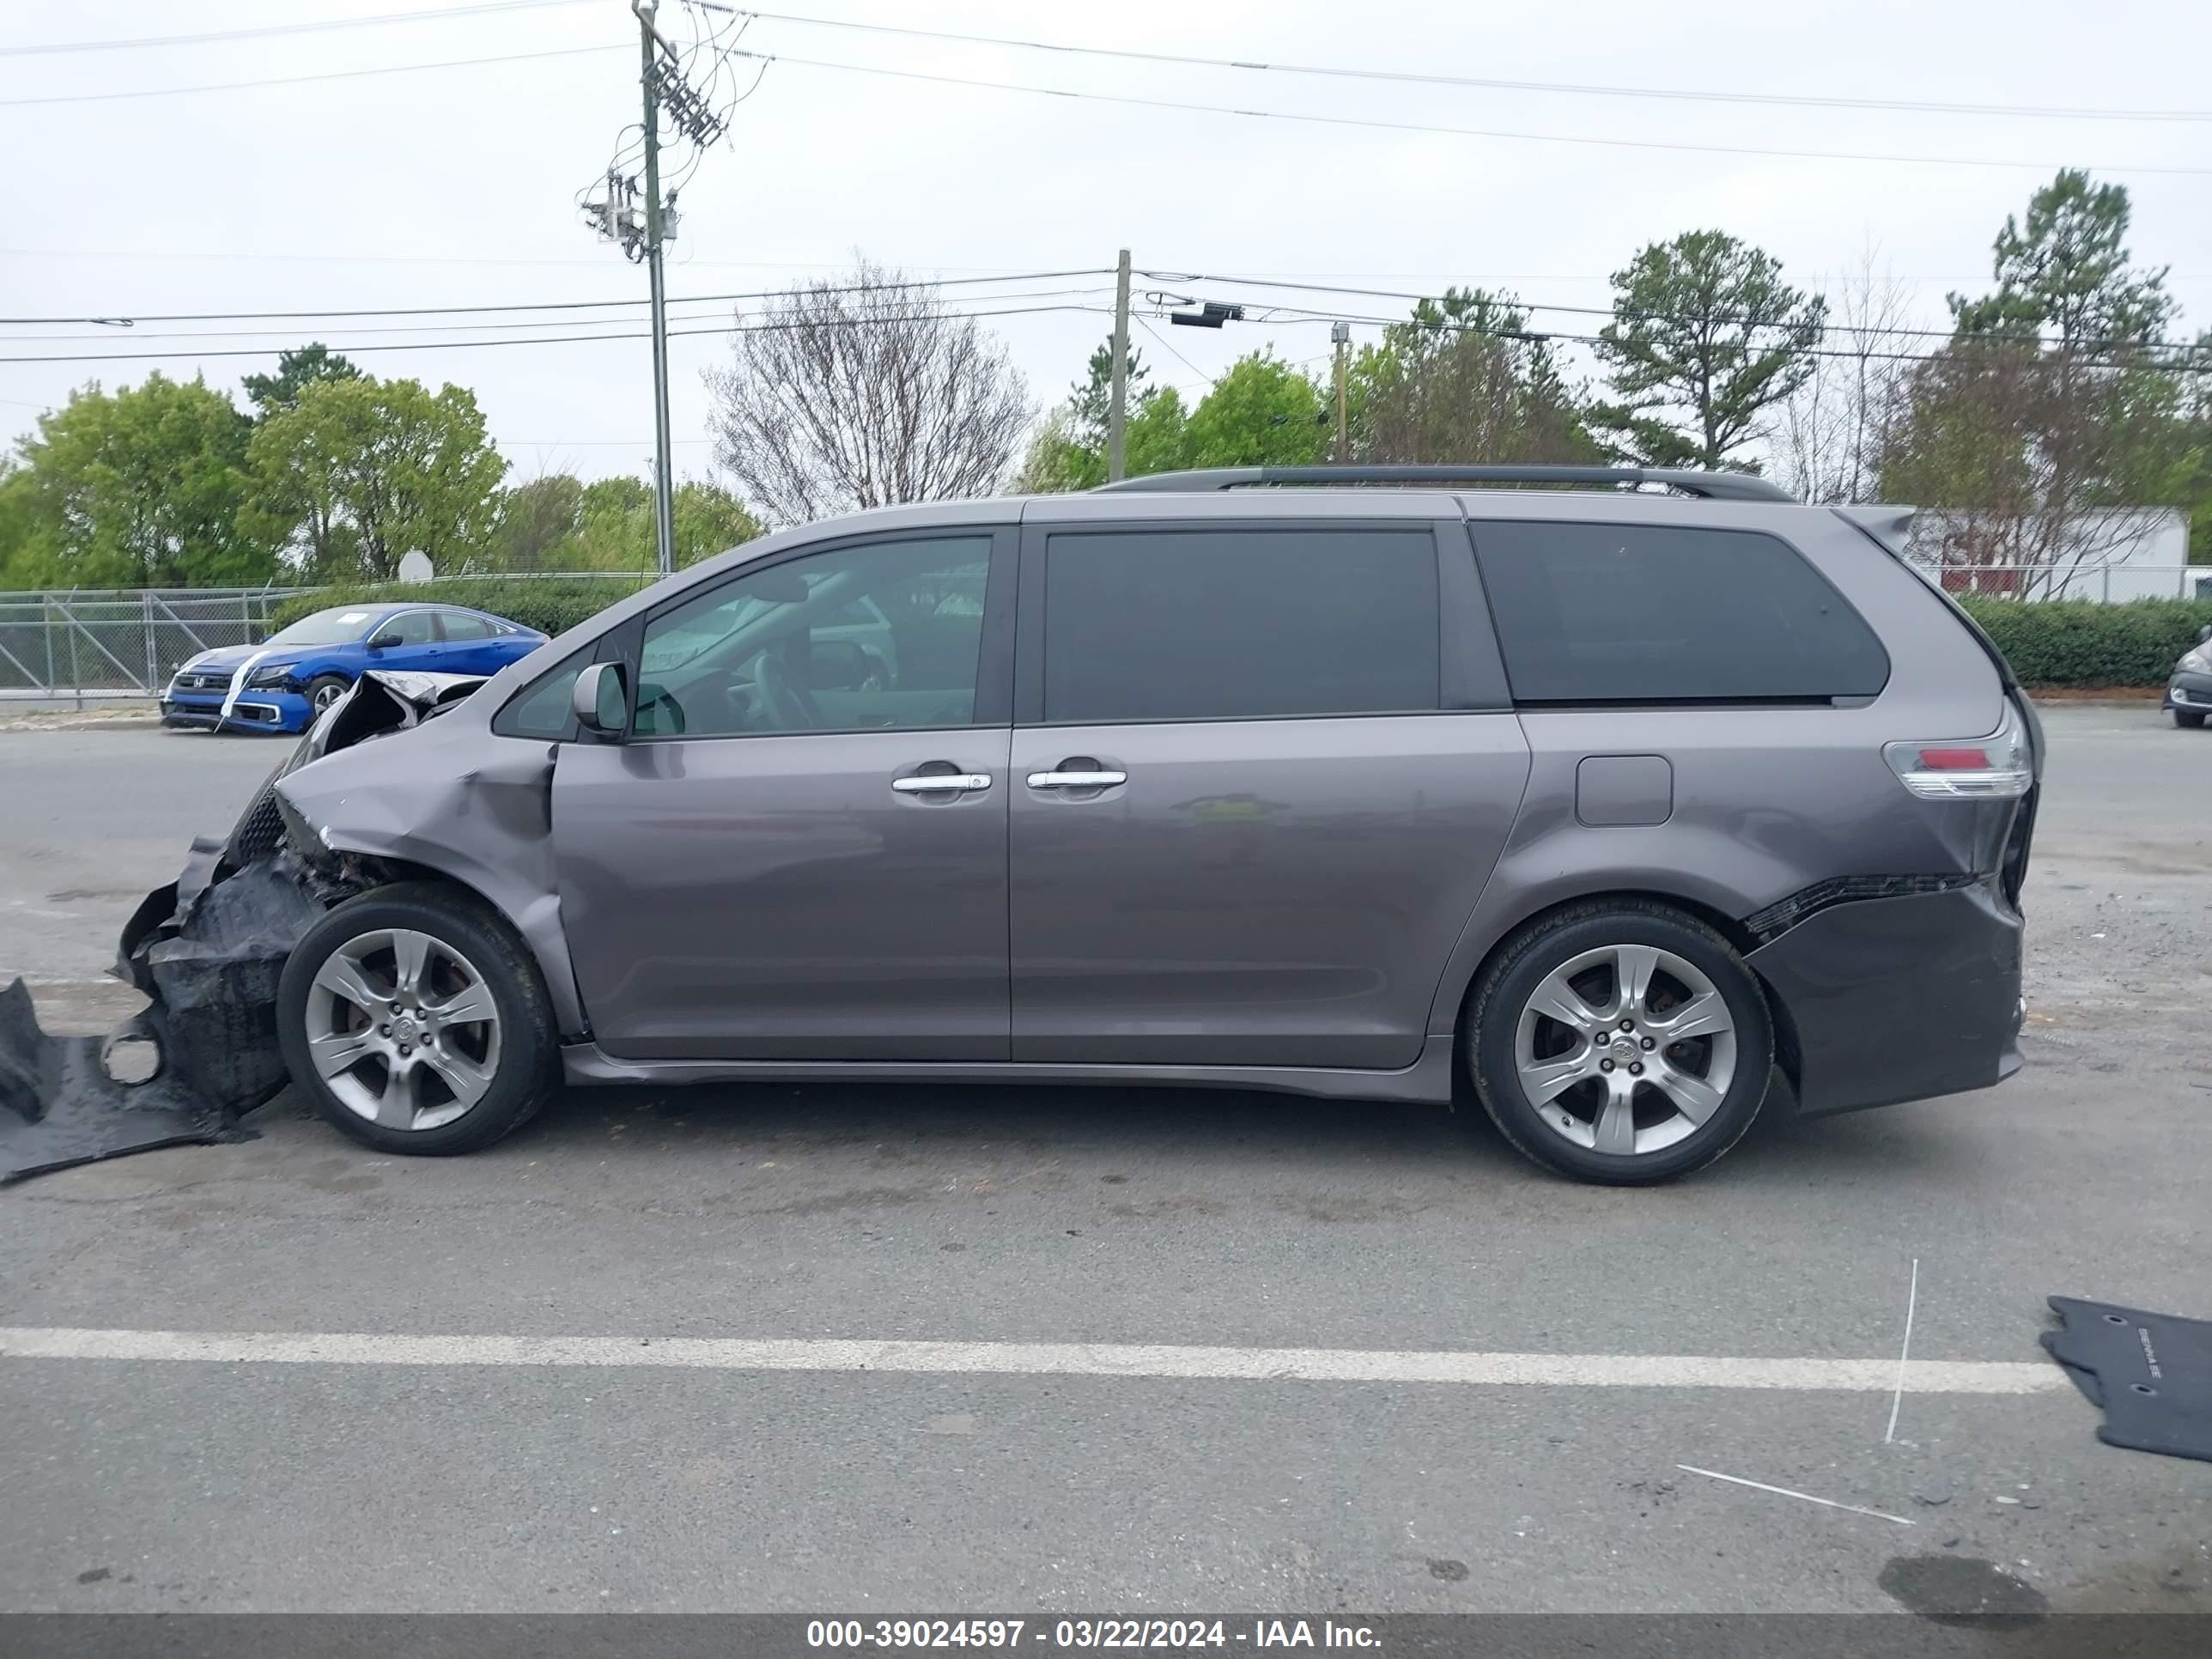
(780, 696)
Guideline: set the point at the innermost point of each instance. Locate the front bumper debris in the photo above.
(206, 950)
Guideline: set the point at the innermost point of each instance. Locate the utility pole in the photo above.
(664, 470)
(1340, 335)
(641, 233)
(1117, 411)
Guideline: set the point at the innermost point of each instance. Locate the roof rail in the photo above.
(1711, 486)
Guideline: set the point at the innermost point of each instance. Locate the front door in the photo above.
(1253, 802)
(800, 853)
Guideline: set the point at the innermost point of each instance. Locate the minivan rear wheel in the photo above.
(1619, 1041)
(415, 1021)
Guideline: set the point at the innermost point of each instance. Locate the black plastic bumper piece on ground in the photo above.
(207, 949)
(59, 1107)
(1900, 998)
(2151, 1372)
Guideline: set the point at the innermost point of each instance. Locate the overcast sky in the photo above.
(457, 185)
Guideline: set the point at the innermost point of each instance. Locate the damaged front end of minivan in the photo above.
(206, 951)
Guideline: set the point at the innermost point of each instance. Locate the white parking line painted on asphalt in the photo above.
(1587, 1370)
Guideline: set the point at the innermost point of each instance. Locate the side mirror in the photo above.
(600, 699)
(2204, 634)
(385, 641)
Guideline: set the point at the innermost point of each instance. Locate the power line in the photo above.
(1546, 336)
(1427, 127)
(285, 28)
(1418, 78)
(1145, 323)
(457, 328)
(551, 339)
(557, 304)
(302, 80)
(1516, 303)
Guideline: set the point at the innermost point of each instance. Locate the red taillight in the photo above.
(1999, 767)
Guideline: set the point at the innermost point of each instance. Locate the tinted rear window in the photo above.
(1239, 625)
(1636, 613)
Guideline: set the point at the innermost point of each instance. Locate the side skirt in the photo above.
(1428, 1079)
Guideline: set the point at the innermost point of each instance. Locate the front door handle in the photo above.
(1076, 779)
(925, 783)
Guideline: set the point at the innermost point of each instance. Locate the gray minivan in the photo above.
(1617, 806)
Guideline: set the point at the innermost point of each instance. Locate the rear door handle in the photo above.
(924, 783)
(1076, 779)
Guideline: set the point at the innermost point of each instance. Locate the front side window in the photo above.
(1239, 625)
(542, 710)
(876, 637)
(410, 628)
(1653, 613)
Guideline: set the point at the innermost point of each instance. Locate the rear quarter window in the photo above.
(1651, 613)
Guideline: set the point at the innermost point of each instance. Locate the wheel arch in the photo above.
(1729, 927)
(389, 871)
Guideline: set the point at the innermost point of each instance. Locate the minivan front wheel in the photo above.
(415, 1021)
(1620, 1042)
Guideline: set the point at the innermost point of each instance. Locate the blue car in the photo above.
(282, 685)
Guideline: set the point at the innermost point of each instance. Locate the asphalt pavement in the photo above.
(1110, 1415)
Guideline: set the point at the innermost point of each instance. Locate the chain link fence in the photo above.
(121, 642)
(126, 642)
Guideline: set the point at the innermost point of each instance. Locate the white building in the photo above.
(2111, 554)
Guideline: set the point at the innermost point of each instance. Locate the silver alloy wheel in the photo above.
(1626, 1049)
(403, 1029)
(327, 694)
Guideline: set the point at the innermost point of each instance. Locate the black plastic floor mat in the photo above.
(2152, 1373)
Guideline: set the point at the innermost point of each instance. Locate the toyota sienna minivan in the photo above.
(1616, 807)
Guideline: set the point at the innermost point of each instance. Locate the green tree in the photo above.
(2067, 271)
(296, 369)
(1705, 338)
(2056, 399)
(1263, 412)
(614, 528)
(537, 521)
(1463, 381)
(1069, 450)
(139, 487)
(390, 466)
(20, 559)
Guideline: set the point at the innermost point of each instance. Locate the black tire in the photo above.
(323, 690)
(1504, 986)
(527, 1069)
(2189, 717)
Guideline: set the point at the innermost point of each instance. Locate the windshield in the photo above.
(335, 626)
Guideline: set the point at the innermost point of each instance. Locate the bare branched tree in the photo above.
(1830, 437)
(863, 390)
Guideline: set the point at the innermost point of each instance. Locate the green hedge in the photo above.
(551, 605)
(2084, 644)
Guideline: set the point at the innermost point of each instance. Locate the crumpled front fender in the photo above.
(456, 801)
